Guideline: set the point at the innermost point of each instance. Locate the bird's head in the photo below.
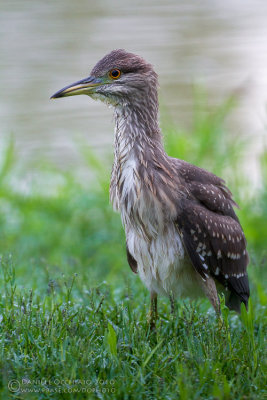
(119, 78)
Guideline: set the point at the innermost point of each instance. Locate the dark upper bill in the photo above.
(84, 86)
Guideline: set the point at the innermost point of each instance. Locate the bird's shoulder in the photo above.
(206, 188)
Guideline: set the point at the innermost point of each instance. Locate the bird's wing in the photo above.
(212, 234)
(131, 261)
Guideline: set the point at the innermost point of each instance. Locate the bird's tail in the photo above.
(234, 302)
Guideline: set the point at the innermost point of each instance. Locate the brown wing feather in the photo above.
(213, 198)
(212, 234)
(216, 246)
(199, 177)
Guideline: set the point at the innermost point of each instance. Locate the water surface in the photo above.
(45, 45)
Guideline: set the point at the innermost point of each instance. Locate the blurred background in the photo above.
(45, 45)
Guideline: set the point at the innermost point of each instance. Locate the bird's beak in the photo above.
(84, 86)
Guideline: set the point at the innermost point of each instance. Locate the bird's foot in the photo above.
(173, 304)
(151, 320)
(153, 314)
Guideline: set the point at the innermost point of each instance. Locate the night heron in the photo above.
(183, 237)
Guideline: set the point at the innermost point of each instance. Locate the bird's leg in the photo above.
(211, 292)
(153, 313)
(172, 300)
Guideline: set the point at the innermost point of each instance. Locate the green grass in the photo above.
(73, 315)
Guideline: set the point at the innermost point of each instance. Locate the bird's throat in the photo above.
(135, 129)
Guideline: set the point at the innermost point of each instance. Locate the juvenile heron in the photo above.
(183, 237)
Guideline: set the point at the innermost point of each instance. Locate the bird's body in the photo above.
(182, 234)
(148, 215)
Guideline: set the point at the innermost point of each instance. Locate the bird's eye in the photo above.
(114, 73)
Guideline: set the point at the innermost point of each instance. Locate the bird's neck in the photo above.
(138, 143)
(136, 130)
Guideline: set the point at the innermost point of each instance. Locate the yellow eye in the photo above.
(114, 73)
